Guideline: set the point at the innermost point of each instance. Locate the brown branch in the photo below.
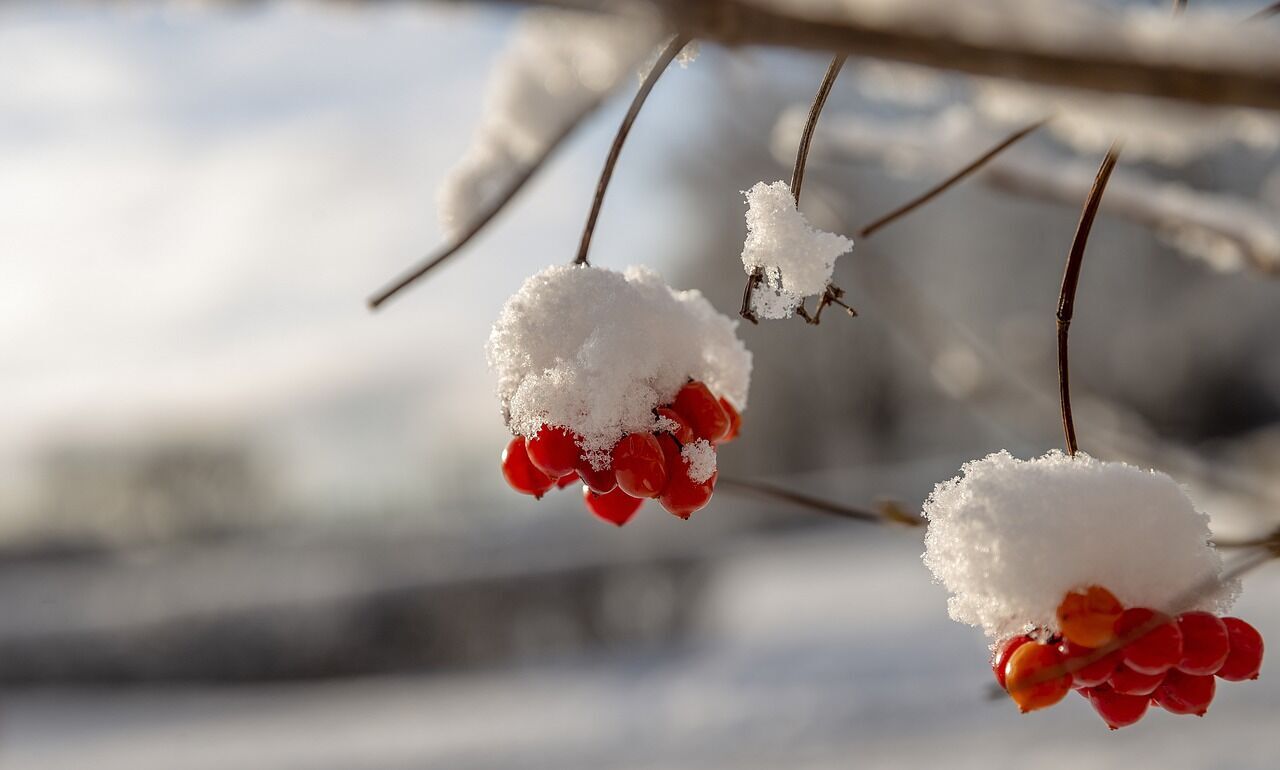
(1070, 281)
(674, 46)
(1266, 13)
(950, 181)
(889, 513)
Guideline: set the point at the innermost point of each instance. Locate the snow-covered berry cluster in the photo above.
(1041, 555)
(619, 381)
(1123, 660)
(675, 464)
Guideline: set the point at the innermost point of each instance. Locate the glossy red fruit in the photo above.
(566, 480)
(735, 421)
(702, 411)
(1092, 674)
(554, 451)
(1245, 659)
(1000, 656)
(1205, 643)
(1126, 681)
(1024, 677)
(1155, 651)
(520, 473)
(683, 433)
(639, 465)
(1185, 693)
(600, 482)
(682, 496)
(1117, 709)
(616, 507)
(1089, 617)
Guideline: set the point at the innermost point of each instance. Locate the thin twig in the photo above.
(950, 181)
(1070, 281)
(1179, 6)
(1266, 13)
(890, 514)
(674, 46)
(797, 177)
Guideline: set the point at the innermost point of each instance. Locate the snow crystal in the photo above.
(557, 68)
(595, 351)
(700, 456)
(795, 259)
(1008, 538)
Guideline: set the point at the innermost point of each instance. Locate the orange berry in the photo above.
(1088, 618)
(1035, 677)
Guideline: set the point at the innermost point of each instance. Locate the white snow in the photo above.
(595, 351)
(556, 70)
(795, 259)
(700, 456)
(1008, 538)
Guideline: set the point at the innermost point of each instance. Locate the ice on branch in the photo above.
(595, 351)
(1009, 538)
(556, 70)
(795, 259)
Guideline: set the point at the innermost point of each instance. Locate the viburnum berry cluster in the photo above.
(1124, 660)
(676, 464)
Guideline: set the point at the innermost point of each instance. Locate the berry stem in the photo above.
(889, 515)
(1070, 282)
(674, 46)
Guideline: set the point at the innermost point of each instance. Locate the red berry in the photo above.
(1126, 681)
(682, 496)
(554, 451)
(1117, 709)
(566, 480)
(520, 473)
(1155, 643)
(702, 411)
(735, 421)
(1000, 656)
(1091, 674)
(616, 507)
(1185, 693)
(639, 465)
(1205, 644)
(682, 432)
(1089, 617)
(1245, 659)
(600, 482)
(1025, 677)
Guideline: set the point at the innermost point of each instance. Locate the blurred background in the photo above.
(246, 523)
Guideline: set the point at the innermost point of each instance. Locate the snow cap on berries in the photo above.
(700, 459)
(795, 259)
(1009, 538)
(595, 351)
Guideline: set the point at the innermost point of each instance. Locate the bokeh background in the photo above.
(246, 523)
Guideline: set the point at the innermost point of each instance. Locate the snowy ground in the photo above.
(820, 650)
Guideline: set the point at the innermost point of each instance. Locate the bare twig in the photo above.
(1070, 281)
(1266, 13)
(950, 181)
(674, 46)
(797, 180)
(889, 513)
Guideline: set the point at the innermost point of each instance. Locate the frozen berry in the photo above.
(616, 507)
(1117, 709)
(639, 465)
(1245, 659)
(520, 473)
(1185, 693)
(1089, 674)
(702, 411)
(1204, 643)
(735, 421)
(682, 496)
(1030, 677)
(554, 451)
(1089, 617)
(1000, 656)
(1154, 642)
(566, 480)
(1126, 681)
(600, 482)
(682, 432)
